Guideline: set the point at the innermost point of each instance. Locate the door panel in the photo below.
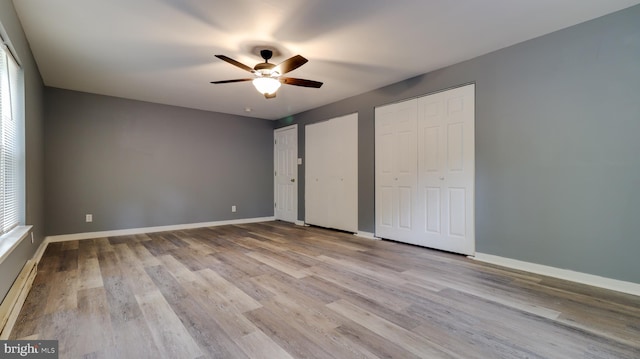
(455, 147)
(457, 212)
(286, 173)
(450, 114)
(386, 208)
(405, 208)
(431, 158)
(316, 185)
(432, 210)
(343, 144)
(396, 170)
(331, 195)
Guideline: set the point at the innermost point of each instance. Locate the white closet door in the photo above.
(425, 171)
(396, 170)
(343, 172)
(331, 173)
(316, 184)
(446, 170)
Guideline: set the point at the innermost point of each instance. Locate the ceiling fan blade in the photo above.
(300, 82)
(267, 96)
(230, 81)
(235, 63)
(290, 64)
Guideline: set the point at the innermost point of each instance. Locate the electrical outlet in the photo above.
(233, 208)
(88, 217)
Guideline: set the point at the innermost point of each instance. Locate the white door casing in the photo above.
(285, 157)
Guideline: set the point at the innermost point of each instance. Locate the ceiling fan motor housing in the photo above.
(264, 66)
(266, 55)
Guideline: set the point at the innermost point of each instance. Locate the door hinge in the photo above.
(275, 205)
(275, 173)
(275, 142)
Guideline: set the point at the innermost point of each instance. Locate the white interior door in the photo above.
(446, 165)
(396, 171)
(286, 173)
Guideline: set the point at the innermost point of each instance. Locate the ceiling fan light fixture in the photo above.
(266, 85)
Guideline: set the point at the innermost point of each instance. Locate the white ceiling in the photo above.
(163, 50)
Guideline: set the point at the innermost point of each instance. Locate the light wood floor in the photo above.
(275, 290)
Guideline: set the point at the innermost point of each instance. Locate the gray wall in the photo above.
(557, 146)
(34, 143)
(135, 164)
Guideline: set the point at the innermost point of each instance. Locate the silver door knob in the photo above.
(293, 180)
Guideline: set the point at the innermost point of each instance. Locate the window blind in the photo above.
(9, 150)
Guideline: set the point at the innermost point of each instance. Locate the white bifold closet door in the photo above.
(425, 170)
(331, 173)
(396, 171)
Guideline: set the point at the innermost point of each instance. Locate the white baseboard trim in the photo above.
(299, 223)
(132, 231)
(579, 277)
(367, 235)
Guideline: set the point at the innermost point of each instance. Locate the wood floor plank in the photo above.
(368, 302)
(228, 295)
(278, 290)
(413, 343)
(281, 330)
(378, 291)
(371, 342)
(94, 321)
(201, 324)
(89, 273)
(230, 320)
(278, 264)
(132, 270)
(68, 260)
(62, 295)
(179, 271)
(364, 270)
(318, 317)
(509, 300)
(196, 246)
(253, 243)
(258, 345)
(143, 255)
(239, 265)
(168, 332)
(281, 284)
(131, 334)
